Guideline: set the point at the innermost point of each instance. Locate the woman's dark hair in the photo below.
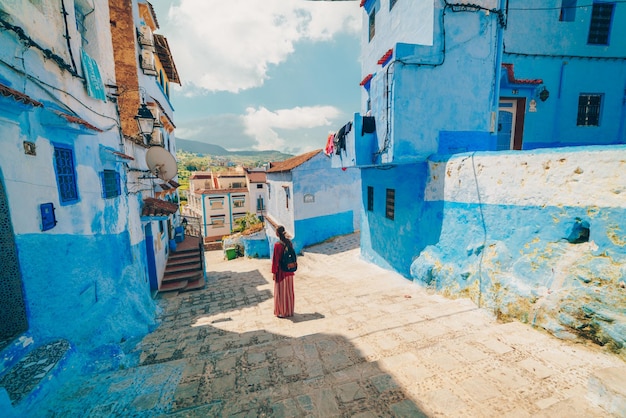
(281, 235)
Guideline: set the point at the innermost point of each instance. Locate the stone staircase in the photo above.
(185, 267)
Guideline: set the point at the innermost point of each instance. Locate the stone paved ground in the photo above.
(364, 342)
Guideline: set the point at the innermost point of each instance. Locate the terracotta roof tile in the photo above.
(20, 97)
(257, 176)
(77, 120)
(293, 162)
(511, 76)
(158, 207)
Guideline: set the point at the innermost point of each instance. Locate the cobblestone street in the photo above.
(364, 342)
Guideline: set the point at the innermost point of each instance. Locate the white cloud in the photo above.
(264, 125)
(230, 45)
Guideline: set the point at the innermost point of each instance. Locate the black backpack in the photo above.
(288, 262)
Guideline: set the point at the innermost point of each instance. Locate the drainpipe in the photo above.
(621, 132)
(498, 70)
(204, 216)
(230, 213)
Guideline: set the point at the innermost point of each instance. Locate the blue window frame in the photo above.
(66, 174)
(111, 184)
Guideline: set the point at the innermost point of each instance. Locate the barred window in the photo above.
(111, 185)
(589, 110)
(600, 26)
(66, 175)
(390, 204)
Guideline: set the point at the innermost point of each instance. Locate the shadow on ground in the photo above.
(189, 367)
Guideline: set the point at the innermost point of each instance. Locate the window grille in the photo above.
(370, 198)
(66, 175)
(111, 185)
(589, 110)
(390, 204)
(600, 27)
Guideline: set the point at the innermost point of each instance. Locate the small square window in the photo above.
(239, 201)
(216, 203)
(600, 26)
(66, 175)
(218, 221)
(390, 204)
(110, 184)
(589, 110)
(259, 186)
(568, 11)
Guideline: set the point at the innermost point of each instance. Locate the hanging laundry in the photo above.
(340, 137)
(369, 125)
(330, 145)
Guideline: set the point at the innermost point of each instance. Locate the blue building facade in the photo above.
(441, 78)
(312, 200)
(75, 263)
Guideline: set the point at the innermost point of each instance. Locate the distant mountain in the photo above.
(215, 150)
(200, 147)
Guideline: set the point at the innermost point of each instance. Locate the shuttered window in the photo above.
(390, 204)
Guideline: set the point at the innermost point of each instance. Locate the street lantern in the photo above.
(145, 120)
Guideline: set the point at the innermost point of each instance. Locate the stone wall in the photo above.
(535, 236)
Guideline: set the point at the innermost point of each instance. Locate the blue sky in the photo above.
(263, 74)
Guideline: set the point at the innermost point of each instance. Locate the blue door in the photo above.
(506, 124)
(150, 258)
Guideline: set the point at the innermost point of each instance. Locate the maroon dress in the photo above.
(283, 285)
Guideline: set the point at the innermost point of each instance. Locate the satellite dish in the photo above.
(161, 163)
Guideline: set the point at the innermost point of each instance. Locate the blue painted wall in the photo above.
(81, 288)
(416, 224)
(321, 228)
(506, 227)
(323, 201)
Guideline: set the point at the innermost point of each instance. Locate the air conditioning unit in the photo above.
(147, 62)
(157, 137)
(146, 40)
(156, 112)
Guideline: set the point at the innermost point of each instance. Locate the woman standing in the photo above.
(283, 280)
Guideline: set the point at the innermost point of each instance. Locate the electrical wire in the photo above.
(559, 8)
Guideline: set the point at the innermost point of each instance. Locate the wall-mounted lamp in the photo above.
(544, 94)
(145, 120)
